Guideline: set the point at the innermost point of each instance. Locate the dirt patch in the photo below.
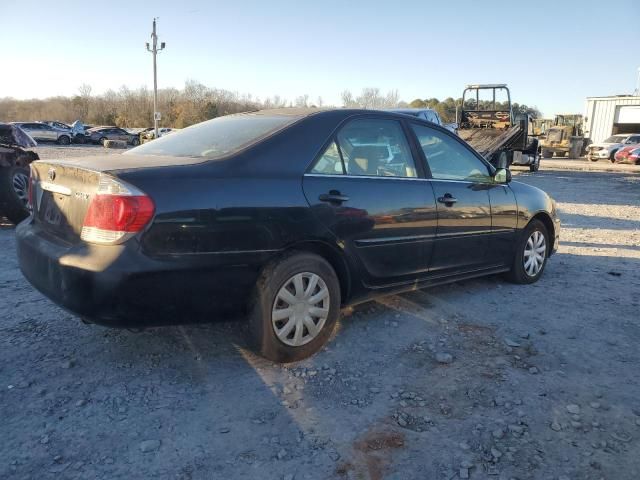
(372, 455)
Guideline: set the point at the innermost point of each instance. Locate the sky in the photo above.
(552, 54)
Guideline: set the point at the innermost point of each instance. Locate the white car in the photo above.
(607, 150)
(149, 133)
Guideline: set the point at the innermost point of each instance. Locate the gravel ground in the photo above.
(479, 379)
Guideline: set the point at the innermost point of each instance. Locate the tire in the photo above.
(574, 152)
(518, 272)
(561, 154)
(281, 275)
(593, 159)
(64, 140)
(102, 140)
(547, 153)
(135, 142)
(14, 189)
(612, 157)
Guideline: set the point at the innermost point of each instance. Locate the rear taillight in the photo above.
(116, 212)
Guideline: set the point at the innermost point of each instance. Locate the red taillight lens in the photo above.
(119, 213)
(112, 218)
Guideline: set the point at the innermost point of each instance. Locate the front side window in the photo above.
(447, 158)
(377, 148)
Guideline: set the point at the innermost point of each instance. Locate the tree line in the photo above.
(196, 103)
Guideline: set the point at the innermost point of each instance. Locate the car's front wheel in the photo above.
(295, 309)
(64, 140)
(612, 156)
(531, 254)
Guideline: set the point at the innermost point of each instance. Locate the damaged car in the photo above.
(15, 159)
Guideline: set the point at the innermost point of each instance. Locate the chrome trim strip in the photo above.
(52, 187)
(370, 177)
(413, 179)
(374, 242)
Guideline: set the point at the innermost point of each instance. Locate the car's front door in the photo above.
(122, 134)
(365, 188)
(49, 132)
(461, 184)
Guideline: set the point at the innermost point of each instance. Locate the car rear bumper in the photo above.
(119, 286)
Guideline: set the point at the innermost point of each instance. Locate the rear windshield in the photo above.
(215, 138)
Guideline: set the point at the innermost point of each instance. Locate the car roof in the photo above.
(411, 110)
(332, 112)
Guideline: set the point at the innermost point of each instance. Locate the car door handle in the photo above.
(447, 199)
(333, 197)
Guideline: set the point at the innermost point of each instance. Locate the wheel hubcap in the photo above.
(300, 309)
(20, 184)
(534, 253)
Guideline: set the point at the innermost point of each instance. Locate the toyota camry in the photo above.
(282, 215)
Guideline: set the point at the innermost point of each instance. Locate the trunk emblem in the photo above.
(51, 174)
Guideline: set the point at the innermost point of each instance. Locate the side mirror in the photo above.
(502, 175)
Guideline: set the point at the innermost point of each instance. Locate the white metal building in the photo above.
(606, 116)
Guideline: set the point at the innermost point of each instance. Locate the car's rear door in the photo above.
(35, 130)
(366, 189)
(461, 184)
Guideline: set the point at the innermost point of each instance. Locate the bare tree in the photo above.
(302, 101)
(347, 99)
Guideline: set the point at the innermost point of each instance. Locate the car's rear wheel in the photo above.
(14, 192)
(295, 309)
(535, 166)
(531, 254)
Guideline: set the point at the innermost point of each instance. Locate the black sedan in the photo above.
(287, 215)
(102, 134)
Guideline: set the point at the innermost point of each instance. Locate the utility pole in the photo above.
(154, 50)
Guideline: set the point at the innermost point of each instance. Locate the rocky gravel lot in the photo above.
(480, 379)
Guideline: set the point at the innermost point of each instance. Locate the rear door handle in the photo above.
(333, 197)
(447, 199)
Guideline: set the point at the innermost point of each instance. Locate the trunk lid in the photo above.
(61, 197)
(65, 188)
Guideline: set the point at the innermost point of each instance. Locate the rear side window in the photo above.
(375, 147)
(216, 138)
(329, 162)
